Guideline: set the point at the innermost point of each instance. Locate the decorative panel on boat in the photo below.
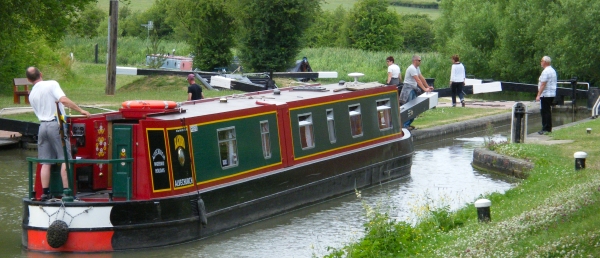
(179, 154)
(158, 160)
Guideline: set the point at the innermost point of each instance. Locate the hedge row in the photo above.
(430, 5)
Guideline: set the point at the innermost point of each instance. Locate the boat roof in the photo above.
(255, 99)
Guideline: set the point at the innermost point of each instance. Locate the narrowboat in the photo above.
(156, 174)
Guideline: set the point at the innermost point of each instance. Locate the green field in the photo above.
(142, 5)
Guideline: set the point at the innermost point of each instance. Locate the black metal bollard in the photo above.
(483, 210)
(519, 123)
(580, 160)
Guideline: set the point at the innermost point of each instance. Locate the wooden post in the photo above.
(111, 68)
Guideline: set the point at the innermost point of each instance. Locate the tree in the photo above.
(324, 32)
(271, 31)
(208, 27)
(85, 23)
(371, 26)
(506, 39)
(417, 30)
(28, 28)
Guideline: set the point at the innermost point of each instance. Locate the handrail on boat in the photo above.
(31, 160)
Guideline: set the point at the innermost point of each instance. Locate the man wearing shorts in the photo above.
(43, 98)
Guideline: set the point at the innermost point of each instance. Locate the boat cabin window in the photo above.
(355, 120)
(384, 114)
(330, 125)
(306, 131)
(266, 143)
(228, 147)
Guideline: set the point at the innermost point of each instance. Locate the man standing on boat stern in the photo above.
(194, 90)
(394, 75)
(413, 82)
(43, 98)
(546, 93)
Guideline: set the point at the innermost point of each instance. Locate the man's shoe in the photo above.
(44, 197)
(462, 103)
(410, 128)
(453, 104)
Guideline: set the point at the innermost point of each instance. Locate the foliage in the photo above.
(130, 21)
(505, 40)
(271, 31)
(85, 23)
(131, 51)
(371, 26)
(29, 29)
(417, 30)
(208, 27)
(156, 50)
(324, 31)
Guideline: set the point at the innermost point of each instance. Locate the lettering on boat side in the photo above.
(159, 165)
(182, 182)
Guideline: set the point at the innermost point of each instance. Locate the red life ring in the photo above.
(149, 104)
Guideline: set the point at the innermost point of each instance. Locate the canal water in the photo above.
(441, 175)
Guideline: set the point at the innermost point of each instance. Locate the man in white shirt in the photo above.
(546, 93)
(43, 98)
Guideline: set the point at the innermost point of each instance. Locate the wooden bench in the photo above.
(17, 92)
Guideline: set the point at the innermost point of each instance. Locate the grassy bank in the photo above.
(553, 213)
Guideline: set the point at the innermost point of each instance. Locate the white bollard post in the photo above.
(580, 160)
(483, 210)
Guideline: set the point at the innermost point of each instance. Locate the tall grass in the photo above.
(373, 64)
(131, 51)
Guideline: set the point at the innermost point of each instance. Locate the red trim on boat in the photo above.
(90, 241)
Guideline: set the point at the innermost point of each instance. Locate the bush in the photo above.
(271, 31)
(371, 26)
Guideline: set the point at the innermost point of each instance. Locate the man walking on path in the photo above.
(546, 94)
(43, 98)
(194, 90)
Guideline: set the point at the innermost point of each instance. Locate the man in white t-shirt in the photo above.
(546, 93)
(43, 98)
(394, 75)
